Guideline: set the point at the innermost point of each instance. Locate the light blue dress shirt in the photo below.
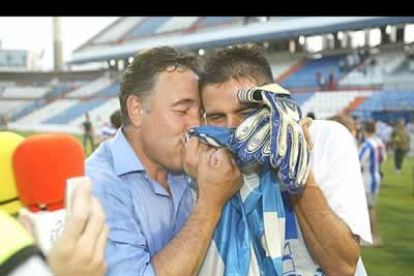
(143, 218)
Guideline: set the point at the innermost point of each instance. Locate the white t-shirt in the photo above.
(337, 171)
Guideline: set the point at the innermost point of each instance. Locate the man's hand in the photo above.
(215, 172)
(218, 177)
(191, 157)
(288, 150)
(80, 249)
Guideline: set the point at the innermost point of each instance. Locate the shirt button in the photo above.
(146, 177)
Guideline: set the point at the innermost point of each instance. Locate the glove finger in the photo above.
(255, 94)
(289, 172)
(247, 128)
(253, 147)
(284, 170)
(306, 163)
(294, 145)
(302, 163)
(242, 142)
(277, 131)
(263, 156)
(274, 142)
(252, 95)
(261, 152)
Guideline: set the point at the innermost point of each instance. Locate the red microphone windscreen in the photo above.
(42, 163)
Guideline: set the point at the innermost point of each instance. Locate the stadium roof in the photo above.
(128, 35)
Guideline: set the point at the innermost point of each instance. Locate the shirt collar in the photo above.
(126, 161)
(124, 157)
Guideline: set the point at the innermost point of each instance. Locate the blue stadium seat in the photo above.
(57, 91)
(305, 76)
(385, 101)
(36, 104)
(301, 98)
(81, 108)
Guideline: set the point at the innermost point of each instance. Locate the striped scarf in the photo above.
(250, 236)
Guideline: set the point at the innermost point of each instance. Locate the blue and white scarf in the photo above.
(250, 237)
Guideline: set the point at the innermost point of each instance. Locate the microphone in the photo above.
(9, 200)
(42, 164)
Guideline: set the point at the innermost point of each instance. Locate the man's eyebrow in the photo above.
(214, 113)
(183, 102)
(247, 106)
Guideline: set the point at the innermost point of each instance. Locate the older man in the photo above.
(158, 224)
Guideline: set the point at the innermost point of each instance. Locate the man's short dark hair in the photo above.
(311, 115)
(140, 76)
(247, 61)
(369, 126)
(116, 119)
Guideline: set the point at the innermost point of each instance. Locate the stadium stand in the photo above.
(327, 104)
(10, 107)
(91, 89)
(99, 115)
(72, 112)
(81, 108)
(306, 75)
(402, 78)
(28, 108)
(177, 24)
(375, 69)
(385, 101)
(120, 28)
(379, 81)
(280, 68)
(25, 92)
(301, 98)
(147, 27)
(47, 111)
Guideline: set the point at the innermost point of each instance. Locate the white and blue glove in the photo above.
(273, 133)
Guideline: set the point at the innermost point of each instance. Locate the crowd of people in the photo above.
(352, 60)
(326, 85)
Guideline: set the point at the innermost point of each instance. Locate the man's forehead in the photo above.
(223, 92)
(224, 96)
(235, 86)
(229, 87)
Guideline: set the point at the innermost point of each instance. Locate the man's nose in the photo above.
(233, 121)
(194, 121)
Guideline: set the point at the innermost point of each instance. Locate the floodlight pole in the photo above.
(57, 44)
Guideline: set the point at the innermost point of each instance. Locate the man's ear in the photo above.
(135, 109)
